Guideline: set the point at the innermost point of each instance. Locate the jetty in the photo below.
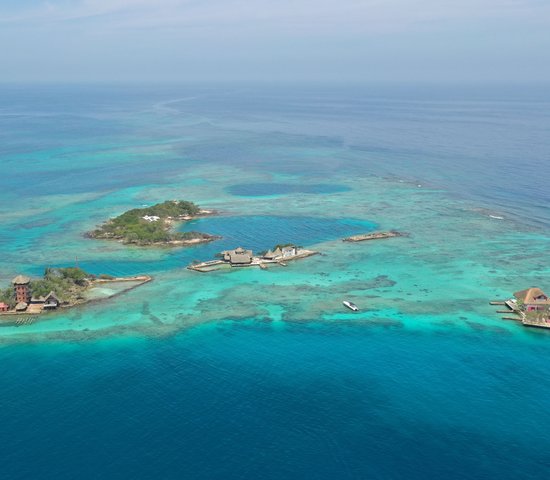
(373, 236)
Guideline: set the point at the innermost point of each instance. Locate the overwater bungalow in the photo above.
(533, 300)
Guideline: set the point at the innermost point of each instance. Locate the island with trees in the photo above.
(61, 287)
(155, 225)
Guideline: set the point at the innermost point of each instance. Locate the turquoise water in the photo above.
(266, 189)
(263, 374)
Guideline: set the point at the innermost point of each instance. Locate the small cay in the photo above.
(374, 236)
(154, 226)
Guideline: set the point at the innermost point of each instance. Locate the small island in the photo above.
(374, 236)
(241, 257)
(60, 288)
(154, 225)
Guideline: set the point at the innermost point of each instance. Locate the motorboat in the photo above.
(351, 305)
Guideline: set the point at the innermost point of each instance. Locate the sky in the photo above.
(441, 41)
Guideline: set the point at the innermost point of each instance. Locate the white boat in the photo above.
(351, 305)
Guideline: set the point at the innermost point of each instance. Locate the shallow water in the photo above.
(267, 189)
(251, 373)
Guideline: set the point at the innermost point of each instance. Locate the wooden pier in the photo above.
(24, 321)
(512, 305)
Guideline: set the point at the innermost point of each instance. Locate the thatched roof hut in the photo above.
(239, 256)
(533, 295)
(21, 280)
(21, 307)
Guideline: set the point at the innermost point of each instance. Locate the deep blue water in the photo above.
(261, 232)
(246, 401)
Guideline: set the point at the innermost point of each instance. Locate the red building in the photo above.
(533, 299)
(3, 307)
(21, 288)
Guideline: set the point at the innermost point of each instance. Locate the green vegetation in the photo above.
(132, 228)
(67, 283)
(7, 296)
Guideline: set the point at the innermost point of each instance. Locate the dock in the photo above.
(538, 322)
(373, 236)
(516, 314)
(24, 321)
(511, 305)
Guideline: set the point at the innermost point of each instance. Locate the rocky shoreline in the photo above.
(166, 225)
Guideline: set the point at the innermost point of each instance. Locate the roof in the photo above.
(3, 305)
(239, 255)
(277, 252)
(530, 295)
(269, 254)
(21, 280)
(51, 296)
(37, 299)
(21, 306)
(240, 259)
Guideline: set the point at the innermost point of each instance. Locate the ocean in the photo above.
(248, 374)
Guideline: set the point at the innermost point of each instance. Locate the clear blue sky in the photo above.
(324, 40)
